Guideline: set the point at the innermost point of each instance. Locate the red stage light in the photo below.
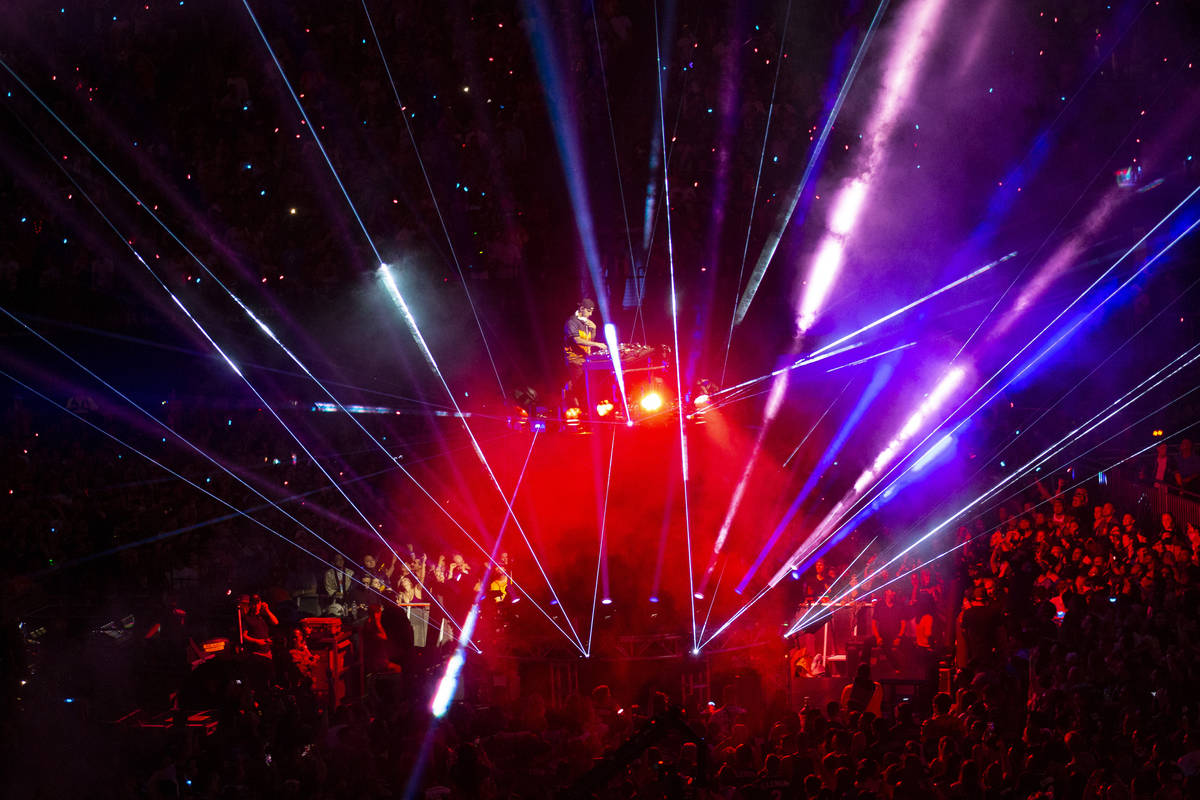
(573, 412)
(604, 408)
(652, 401)
(701, 400)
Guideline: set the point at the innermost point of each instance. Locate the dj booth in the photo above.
(639, 365)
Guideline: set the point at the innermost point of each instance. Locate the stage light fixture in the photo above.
(606, 601)
(651, 401)
(604, 408)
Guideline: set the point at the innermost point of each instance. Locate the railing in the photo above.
(1146, 499)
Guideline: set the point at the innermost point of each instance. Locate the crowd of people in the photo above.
(1075, 605)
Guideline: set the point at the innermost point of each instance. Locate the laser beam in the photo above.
(683, 451)
(433, 197)
(893, 314)
(772, 244)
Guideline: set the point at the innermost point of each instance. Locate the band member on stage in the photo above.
(579, 339)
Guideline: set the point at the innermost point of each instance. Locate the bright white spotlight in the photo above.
(849, 204)
(820, 281)
(652, 401)
(606, 601)
(446, 687)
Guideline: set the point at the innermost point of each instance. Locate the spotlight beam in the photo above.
(433, 197)
(906, 60)
(683, 451)
(772, 244)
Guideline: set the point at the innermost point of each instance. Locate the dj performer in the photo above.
(579, 339)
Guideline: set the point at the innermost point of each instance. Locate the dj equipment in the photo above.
(631, 356)
(639, 364)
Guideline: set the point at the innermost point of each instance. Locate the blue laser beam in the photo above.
(879, 380)
(566, 137)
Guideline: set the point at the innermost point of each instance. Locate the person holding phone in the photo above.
(257, 622)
